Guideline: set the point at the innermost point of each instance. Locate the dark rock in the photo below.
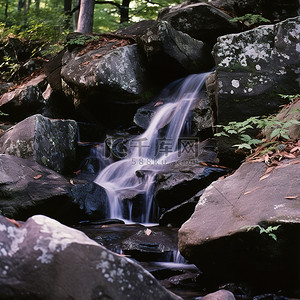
(4, 86)
(136, 29)
(200, 120)
(27, 188)
(25, 100)
(107, 74)
(253, 67)
(173, 53)
(49, 142)
(91, 199)
(201, 21)
(224, 228)
(44, 248)
(179, 214)
(274, 10)
(219, 295)
(31, 65)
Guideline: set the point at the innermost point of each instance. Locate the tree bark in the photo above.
(67, 11)
(124, 11)
(86, 16)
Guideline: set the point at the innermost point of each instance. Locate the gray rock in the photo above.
(219, 295)
(201, 21)
(53, 261)
(25, 100)
(253, 67)
(168, 48)
(91, 199)
(108, 74)
(224, 228)
(50, 142)
(27, 188)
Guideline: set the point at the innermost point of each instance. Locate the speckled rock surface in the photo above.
(25, 99)
(108, 74)
(162, 42)
(223, 239)
(50, 142)
(201, 21)
(253, 67)
(44, 259)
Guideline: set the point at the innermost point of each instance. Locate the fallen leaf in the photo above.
(295, 149)
(148, 231)
(248, 192)
(37, 176)
(14, 222)
(288, 155)
(72, 181)
(158, 103)
(265, 176)
(291, 197)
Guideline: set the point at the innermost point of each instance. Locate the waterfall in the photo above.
(157, 146)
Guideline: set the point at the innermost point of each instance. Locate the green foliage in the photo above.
(279, 129)
(251, 20)
(8, 68)
(81, 40)
(269, 230)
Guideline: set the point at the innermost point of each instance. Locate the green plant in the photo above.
(269, 230)
(81, 40)
(251, 20)
(8, 68)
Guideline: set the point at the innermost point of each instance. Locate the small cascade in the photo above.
(157, 146)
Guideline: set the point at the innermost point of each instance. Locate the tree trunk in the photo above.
(67, 10)
(86, 16)
(6, 9)
(124, 11)
(37, 5)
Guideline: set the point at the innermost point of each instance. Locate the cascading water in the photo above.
(167, 125)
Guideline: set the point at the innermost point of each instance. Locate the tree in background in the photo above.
(86, 16)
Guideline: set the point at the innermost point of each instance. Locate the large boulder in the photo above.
(171, 52)
(200, 20)
(27, 188)
(233, 235)
(253, 67)
(107, 74)
(44, 259)
(25, 100)
(49, 142)
(274, 10)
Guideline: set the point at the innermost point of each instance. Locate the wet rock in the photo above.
(234, 227)
(179, 214)
(43, 248)
(253, 67)
(200, 120)
(219, 295)
(201, 21)
(173, 53)
(91, 199)
(27, 188)
(25, 100)
(49, 142)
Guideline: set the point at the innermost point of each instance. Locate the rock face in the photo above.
(274, 10)
(223, 235)
(172, 51)
(201, 21)
(64, 263)
(49, 142)
(25, 100)
(253, 67)
(27, 188)
(114, 74)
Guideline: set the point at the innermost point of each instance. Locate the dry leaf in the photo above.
(72, 181)
(295, 149)
(37, 176)
(14, 222)
(264, 177)
(158, 103)
(291, 197)
(148, 231)
(248, 192)
(288, 155)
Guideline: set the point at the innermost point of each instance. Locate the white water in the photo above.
(119, 178)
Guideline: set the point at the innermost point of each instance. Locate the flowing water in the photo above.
(157, 146)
